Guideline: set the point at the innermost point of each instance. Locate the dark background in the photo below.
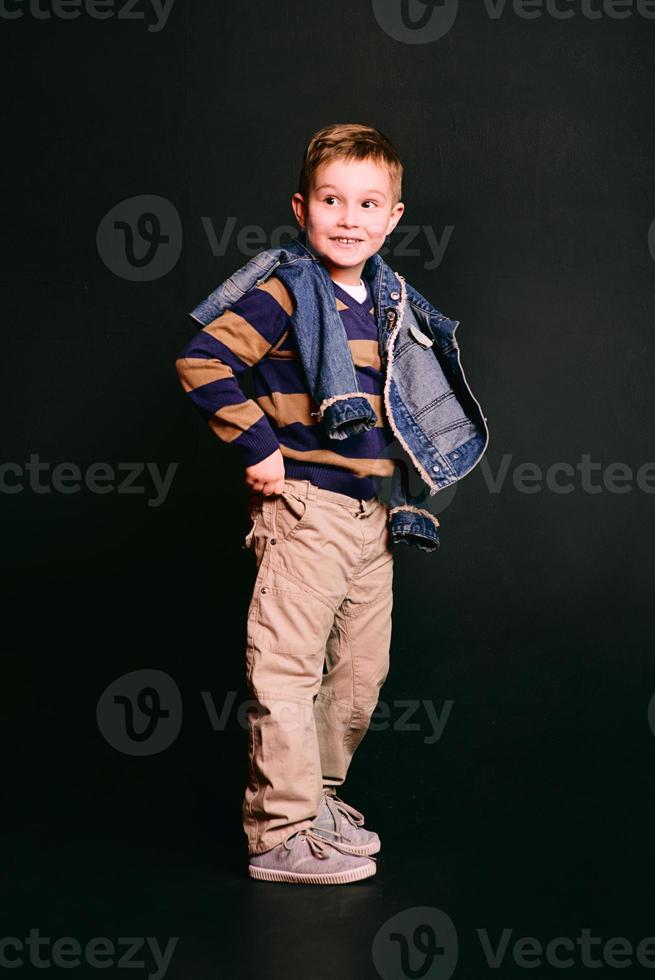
(533, 140)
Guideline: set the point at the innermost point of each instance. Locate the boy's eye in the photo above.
(331, 197)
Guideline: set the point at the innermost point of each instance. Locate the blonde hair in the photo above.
(350, 141)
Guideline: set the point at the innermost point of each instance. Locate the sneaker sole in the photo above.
(334, 878)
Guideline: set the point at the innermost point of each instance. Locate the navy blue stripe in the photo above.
(367, 445)
(209, 398)
(263, 312)
(206, 347)
(333, 478)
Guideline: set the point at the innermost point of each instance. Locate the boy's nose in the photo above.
(349, 220)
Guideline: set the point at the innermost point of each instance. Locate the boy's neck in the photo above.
(340, 282)
(346, 277)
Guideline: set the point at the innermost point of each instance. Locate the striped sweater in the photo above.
(257, 333)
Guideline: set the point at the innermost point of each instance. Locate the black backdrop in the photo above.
(528, 145)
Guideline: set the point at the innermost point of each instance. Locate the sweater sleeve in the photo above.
(211, 363)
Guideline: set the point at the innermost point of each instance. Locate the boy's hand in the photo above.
(267, 476)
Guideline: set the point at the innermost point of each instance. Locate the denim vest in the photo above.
(431, 410)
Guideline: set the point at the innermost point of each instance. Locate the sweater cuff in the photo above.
(257, 443)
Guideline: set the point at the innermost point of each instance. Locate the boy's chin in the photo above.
(345, 261)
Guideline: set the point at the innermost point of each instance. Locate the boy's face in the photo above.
(349, 199)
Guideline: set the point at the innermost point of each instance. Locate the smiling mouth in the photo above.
(347, 241)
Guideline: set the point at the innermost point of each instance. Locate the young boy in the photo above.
(319, 620)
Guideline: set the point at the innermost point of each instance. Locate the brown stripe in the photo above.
(361, 467)
(286, 409)
(365, 353)
(232, 420)
(240, 336)
(296, 407)
(196, 371)
(276, 288)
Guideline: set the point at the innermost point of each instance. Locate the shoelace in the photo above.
(341, 807)
(319, 846)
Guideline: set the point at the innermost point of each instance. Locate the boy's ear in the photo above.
(299, 210)
(395, 216)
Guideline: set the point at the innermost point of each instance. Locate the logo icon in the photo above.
(140, 713)
(140, 239)
(415, 21)
(416, 944)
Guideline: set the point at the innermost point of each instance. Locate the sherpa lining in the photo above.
(415, 510)
(335, 398)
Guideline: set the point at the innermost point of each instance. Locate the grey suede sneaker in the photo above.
(304, 858)
(341, 822)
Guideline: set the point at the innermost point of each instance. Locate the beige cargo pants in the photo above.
(318, 639)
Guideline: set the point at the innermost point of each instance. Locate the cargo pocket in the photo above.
(289, 514)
